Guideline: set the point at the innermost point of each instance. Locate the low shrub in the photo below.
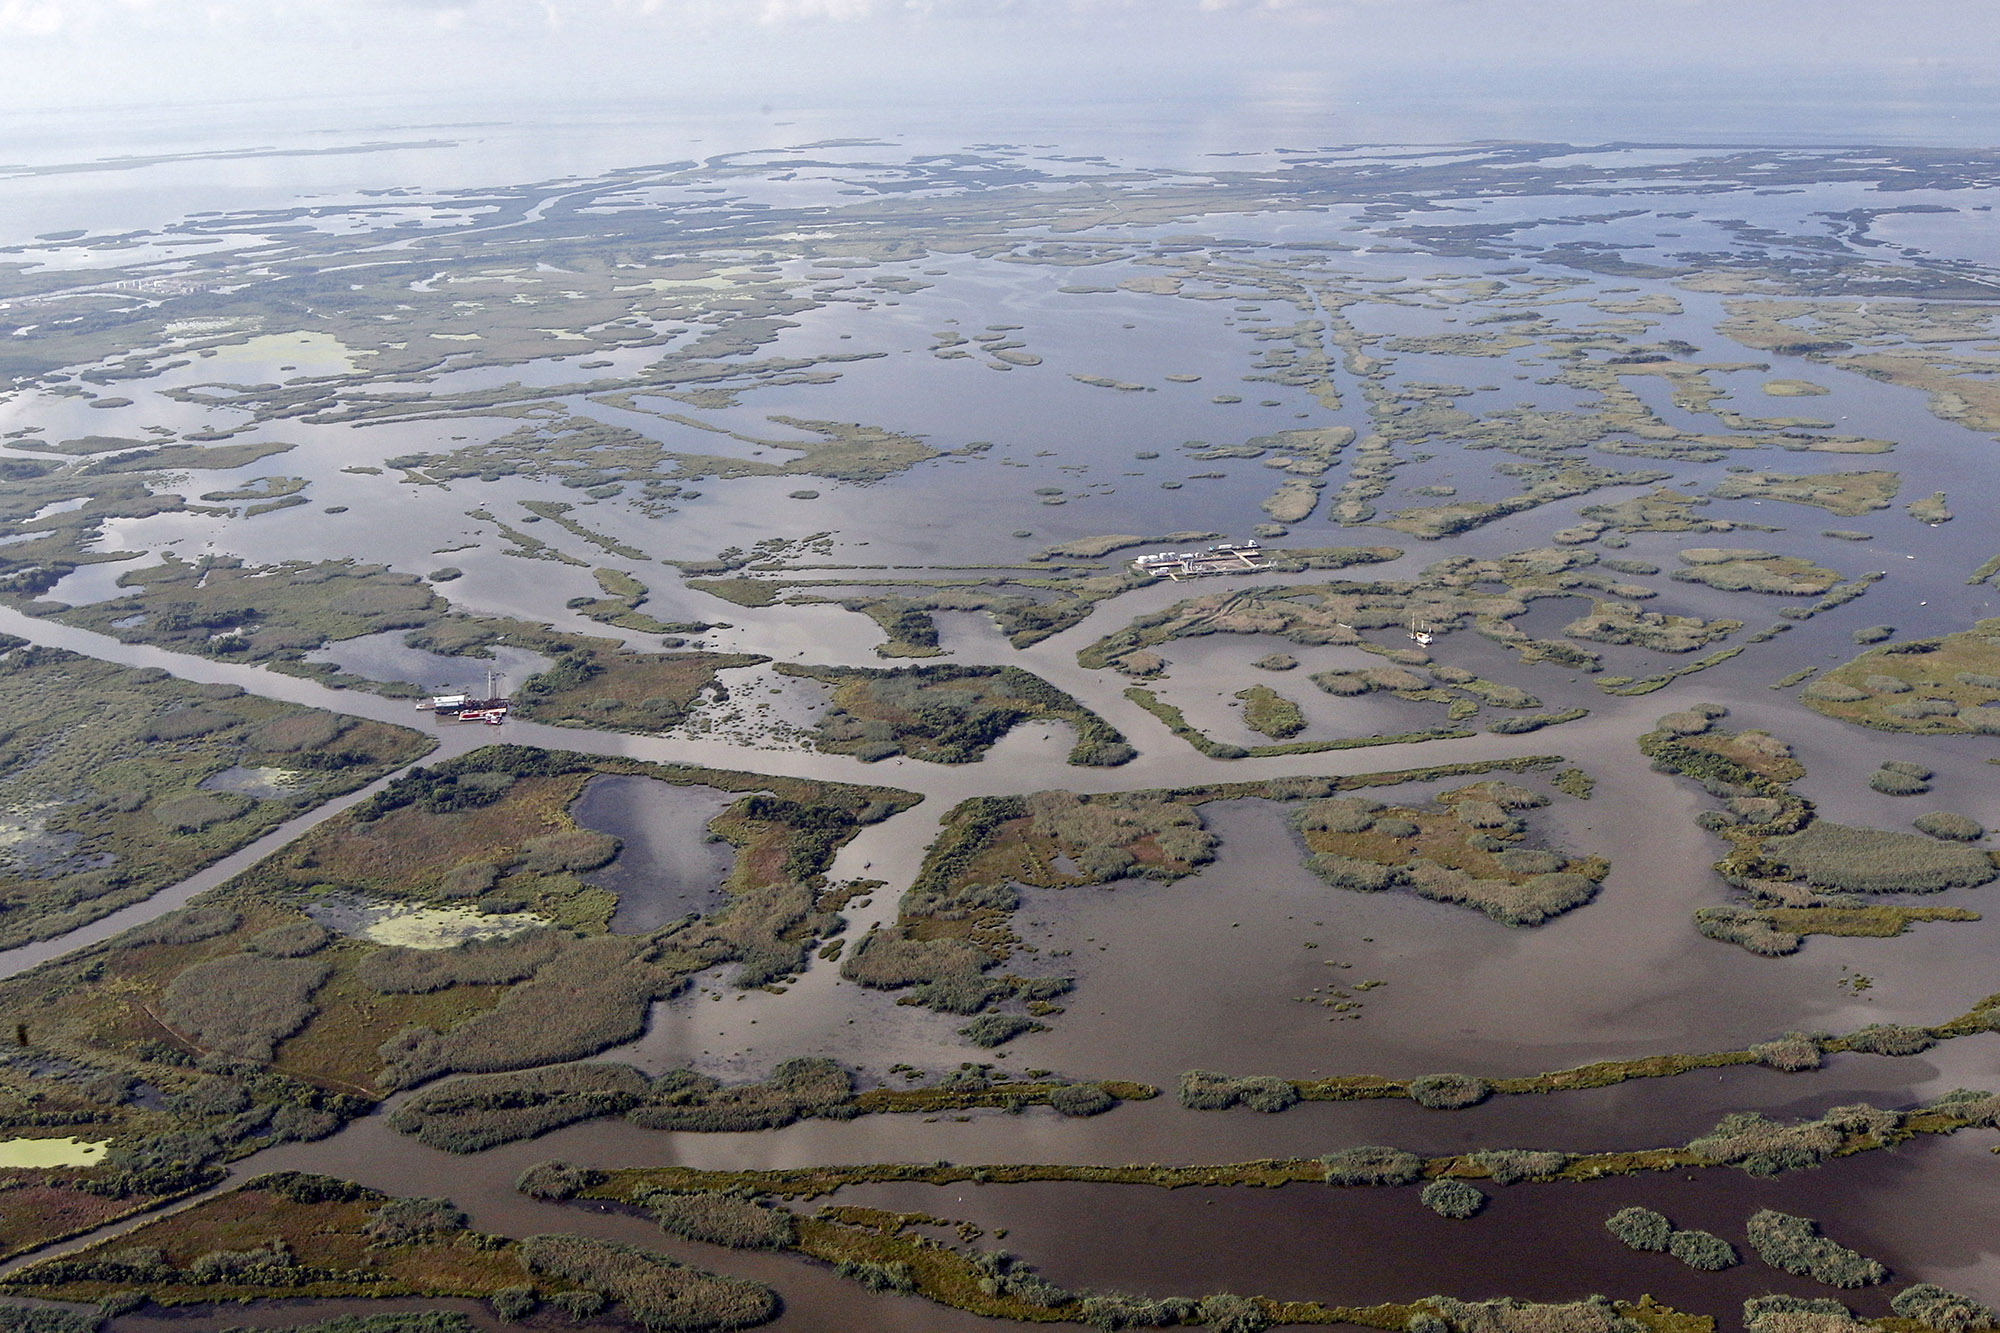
(1891, 1039)
(1641, 1228)
(1793, 1053)
(1946, 1311)
(722, 1219)
(1452, 1198)
(555, 1180)
(1794, 1244)
(1226, 1313)
(1448, 1092)
(1798, 1314)
(991, 1030)
(1510, 1166)
(399, 1221)
(1372, 1166)
(1703, 1250)
(1081, 1099)
(1203, 1090)
(658, 1294)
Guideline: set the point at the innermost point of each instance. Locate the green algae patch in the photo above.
(16, 1154)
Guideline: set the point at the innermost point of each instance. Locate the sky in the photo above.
(957, 53)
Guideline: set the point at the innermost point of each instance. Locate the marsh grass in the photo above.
(950, 714)
(658, 1294)
(722, 1219)
(243, 1004)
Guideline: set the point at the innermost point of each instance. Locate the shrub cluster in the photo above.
(1798, 1314)
(1703, 1250)
(943, 974)
(1448, 1092)
(1372, 1166)
(1891, 1039)
(400, 1221)
(1764, 1147)
(805, 1086)
(1116, 1310)
(1946, 1311)
(597, 995)
(1793, 1053)
(555, 1180)
(295, 939)
(1641, 1228)
(1594, 1314)
(1081, 1099)
(190, 925)
(1204, 1090)
(1794, 1244)
(660, 1295)
(1452, 1198)
(1510, 1166)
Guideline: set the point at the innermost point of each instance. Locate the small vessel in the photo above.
(1420, 633)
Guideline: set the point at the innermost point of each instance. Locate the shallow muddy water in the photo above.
(668, 865)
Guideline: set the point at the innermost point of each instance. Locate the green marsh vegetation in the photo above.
(472, 1114)
(1269, 713)
(953, 927)
(1735, 569)
(1794, 1052)
(316, 1027)
(949, 714)
(1795, 1244)
(1846, 494)
(112, 780)
(1468, 846)
(284, 1236)
(1645, 1229)
(1800, 873)
(594, 686)
(1944, 685)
